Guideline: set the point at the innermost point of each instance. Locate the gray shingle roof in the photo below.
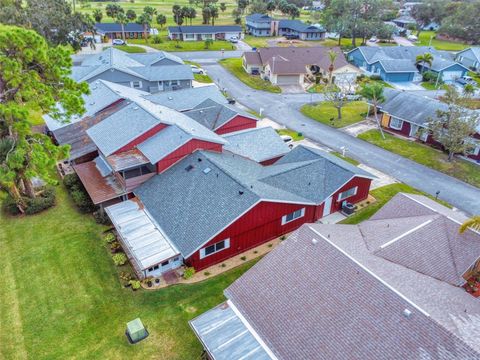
(165, 73)
(187, 99)
(259, 18)
(214, 115)
(337, 308)
(391, 65)
(121, 127)
(258, 144)
(420, 109)
(205, 29)
(114, 27)
(299, 26)
(203, 202)
(164, 143)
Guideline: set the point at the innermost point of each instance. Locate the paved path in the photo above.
(402, 41)
(284, 109)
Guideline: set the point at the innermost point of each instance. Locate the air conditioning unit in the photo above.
(348, 208)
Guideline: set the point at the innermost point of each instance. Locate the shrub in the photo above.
(82, 200)
(206, 273)
(270, 245)
(109, 238)
(283, 237)
(71, 180)
(243, 258)
(157, 39)
(126, 276)
(101, 218)
(255, 252)
(119, 259)
(375, 77)
(115, 247)
(223, 265)
(42, 202)
(430, 76)
(9, 206)
(188, 273)
(135, 284)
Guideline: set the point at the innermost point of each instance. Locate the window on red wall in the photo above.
(293, 216)
(212, 249)
(348, 193)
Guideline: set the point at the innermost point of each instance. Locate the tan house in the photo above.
(292, 65)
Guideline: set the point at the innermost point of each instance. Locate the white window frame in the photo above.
(342, 197)
(396, 127)
(132, 84)
(190, 36)
(226, 246)
(295, 216)
(174, 83)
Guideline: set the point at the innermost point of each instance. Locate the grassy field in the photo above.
(129, 48)
(169, 45)
(346, 158)
(61, 296)
(352, 112)
(296, 136)
(426, 155)
(256, 42)
(424, 40)
(383, 195)
(431, 86)
(234, 65)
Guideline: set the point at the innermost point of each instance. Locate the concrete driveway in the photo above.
(402, 41)
(284, 109)
(407, 86)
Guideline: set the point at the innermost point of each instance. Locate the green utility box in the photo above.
(136, 331)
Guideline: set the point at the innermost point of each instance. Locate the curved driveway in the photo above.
(284, 109)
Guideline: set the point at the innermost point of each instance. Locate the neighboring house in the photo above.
(470, 58)
(212, 205)
(264, 25)
(221, 118)
(259, 25)
(114, 30)
(187, 99)
(204, 32)
(398, 63)
(151, 72)
(388, 288)
(408, 114)
(292, 65)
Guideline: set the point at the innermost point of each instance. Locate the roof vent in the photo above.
(240, 192)
(314, 241)
(407, 313)
(206, 170)
(170, 98)
(135, 108)
(199, 159)
(189, 168)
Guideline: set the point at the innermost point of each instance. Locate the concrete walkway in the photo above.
(402, 41)
(284, 109)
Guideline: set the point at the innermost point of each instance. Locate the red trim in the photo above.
(237, 123)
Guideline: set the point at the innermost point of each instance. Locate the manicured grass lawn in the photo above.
(431, 86)
(426, 155)
(61, 297)
(424, 40)
(170, 45)
(352, 112)
(346, 158)
(383, 195)
(199, 77)
(346, 42)
(296, 136)
(130, 48)
(256, 42)
(234, 65)
(316, 88)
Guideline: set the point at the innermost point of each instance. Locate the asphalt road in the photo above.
(284, 109)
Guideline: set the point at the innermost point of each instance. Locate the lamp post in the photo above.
(436, 194)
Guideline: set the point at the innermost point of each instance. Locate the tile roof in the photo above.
(340, 307)
(187, 99)
(206, 191)
(204, 29)
(214, 115)
(258, 144)
(294, 60)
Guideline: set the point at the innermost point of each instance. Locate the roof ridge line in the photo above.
(418, 227)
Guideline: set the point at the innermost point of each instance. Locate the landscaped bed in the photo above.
(426, 155)
(234, 65)
(325, 113)
(296, 136)
(62, 297)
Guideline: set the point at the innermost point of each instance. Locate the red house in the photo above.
(211, 206)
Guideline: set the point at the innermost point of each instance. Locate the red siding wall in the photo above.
(186, 150)
(236, 124)
(264, 222)
(405, 130)
(132, 144)
(271, 161)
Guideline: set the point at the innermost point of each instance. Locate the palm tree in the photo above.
(374, 93)
(332, 55)
(426, 58)
(145, 19)
(473, 223)
(122, 20)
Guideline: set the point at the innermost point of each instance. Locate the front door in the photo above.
(327, 207)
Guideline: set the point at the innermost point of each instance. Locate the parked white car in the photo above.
(287, 139)
(412, 37)
(118, 42)
(373, 39)
(197, 70)
(233, 40)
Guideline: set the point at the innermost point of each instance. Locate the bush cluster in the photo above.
(188, 273)
(44, 200)
(119, 259)
(78, 193)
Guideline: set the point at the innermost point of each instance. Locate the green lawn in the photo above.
(426, 155)
(352, 112)
(199, 77)
(383, 195)
(424, 40)
(129, 48)
(61, 297)
(256, 42)
(234, 65)
(296, 136)
(346, 158)
(431, 86)
(170, 45)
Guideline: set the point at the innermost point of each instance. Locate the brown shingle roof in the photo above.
(314, 301)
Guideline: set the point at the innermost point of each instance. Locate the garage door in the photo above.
(288, 79)
(451, 75)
